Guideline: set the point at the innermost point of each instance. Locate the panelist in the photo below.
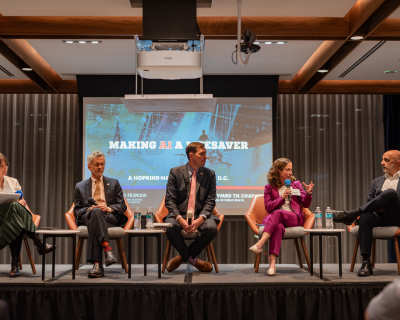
(381, 209)
(191, 187)
(283, 213)
(107, 211)
(16, 220)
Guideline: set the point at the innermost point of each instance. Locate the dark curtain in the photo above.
(391, 118)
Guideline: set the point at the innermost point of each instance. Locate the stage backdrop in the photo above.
(141, 148)
(334, 140)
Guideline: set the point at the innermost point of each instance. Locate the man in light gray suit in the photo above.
(381, 209)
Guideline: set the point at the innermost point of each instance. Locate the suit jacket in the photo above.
(113, 194)
(178, 190)
(272, 200)
(376, 189)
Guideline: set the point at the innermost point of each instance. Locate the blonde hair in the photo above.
(274, 179)
(3, 159)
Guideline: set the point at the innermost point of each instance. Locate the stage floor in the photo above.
(229, 274)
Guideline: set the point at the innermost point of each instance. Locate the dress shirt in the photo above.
(286, 206)
(10, 185)
(391, 182)
(102, 194)
(190, 170)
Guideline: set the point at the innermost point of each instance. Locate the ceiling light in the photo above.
(268, 42)
(390, 71)
(256, 42)
(95, 42)
(25, 67)
(325, 68)
(281, 42)
(82, 41)
(69, 41)
(357, 38)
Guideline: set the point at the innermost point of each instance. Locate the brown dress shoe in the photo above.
(203, 266)
(174, 263)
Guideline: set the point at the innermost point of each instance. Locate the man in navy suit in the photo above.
(106, 213)
(381, 209)
(191, 187)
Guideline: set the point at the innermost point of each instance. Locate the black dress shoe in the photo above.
(341, 216)
(14, 267)
(109, 258)
(97, 271)
(365, 270)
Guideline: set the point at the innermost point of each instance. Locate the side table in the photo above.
(145, 234)
(320, 233)
(57, 233)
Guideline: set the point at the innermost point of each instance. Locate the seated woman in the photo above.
(283, 213)
(15, 220)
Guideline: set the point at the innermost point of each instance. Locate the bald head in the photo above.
(391, 162)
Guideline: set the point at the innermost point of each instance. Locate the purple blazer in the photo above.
(272, 200)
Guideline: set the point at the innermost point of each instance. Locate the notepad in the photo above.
(8, 197)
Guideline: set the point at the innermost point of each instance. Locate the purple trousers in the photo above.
(275, 224)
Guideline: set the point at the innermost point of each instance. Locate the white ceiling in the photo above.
(117, 56)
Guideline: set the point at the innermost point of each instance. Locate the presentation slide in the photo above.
(141, 148)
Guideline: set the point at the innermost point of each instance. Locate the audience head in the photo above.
(197, 155)
(280, 171)
(3, 165)
(391, 162)
(96, 163)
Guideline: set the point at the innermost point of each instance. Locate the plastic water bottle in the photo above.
(329, 218)
(318, 218)
(138, 219)
(149, 219)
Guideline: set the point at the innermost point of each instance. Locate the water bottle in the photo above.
(318, 219)
(138, 219)
(149, 219)
(329, 218)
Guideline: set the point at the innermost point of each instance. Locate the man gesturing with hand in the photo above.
(191, 187)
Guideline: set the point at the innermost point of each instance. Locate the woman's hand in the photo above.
(309, 187)
(286, 193)
(22, 202)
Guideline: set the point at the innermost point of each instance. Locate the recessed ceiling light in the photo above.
(256, 42)
(390, 71)
(281, 42)
(357, 37)
(268, 42)
(323, 70)
(82, 41)
(69, 41)
(95, 42)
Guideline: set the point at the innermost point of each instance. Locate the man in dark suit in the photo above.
(191, 187)
(106, 213)
(381, 209)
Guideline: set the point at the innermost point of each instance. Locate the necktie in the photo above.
(192, 196)
(97, 195)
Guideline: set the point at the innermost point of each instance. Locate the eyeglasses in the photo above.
(98, 165)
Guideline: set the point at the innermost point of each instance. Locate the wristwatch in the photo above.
(177, 217)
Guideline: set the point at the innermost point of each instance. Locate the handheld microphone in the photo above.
(288, 184)
(20, 193)
(190, 216)
(92, 202)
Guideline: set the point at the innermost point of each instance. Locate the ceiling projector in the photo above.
(169, 60)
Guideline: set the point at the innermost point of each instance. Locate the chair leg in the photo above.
(303, 245)
(208, 253)
(20, 261)
(257, 262)
(78, 252)
(166, 256)
(373, 253)
(396, 247)
(354, 256)
(122, 254)
(214, 258)
(298, 252)
(28, 251)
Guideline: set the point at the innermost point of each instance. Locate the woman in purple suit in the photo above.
(283, 213)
